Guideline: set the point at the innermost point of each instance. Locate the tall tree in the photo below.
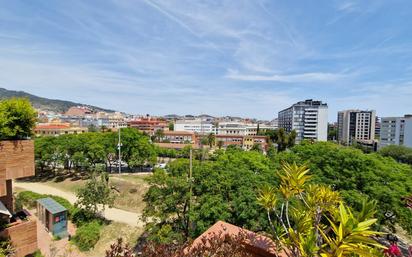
(136, 148)
(281, 138)
(159, 134)
(211, 138)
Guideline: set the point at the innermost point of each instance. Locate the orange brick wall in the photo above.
(7, 199)
(23, 237)
(16, 161)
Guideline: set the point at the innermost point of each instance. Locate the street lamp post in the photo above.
(119, 146)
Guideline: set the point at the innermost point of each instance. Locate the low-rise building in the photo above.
(231, 128)
(57, 129)
(178, 137)
(149, 125)
(227, 140)
(78, 111)
(244, 142)
(396, 131)
(250, 141)
(197, 125)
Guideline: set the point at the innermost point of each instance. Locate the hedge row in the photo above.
(29, 199)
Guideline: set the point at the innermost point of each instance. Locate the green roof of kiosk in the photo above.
(51, 205)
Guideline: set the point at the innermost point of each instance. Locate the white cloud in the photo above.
(290, 78)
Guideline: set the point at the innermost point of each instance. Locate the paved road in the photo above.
(114, 214)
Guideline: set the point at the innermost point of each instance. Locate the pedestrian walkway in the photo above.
(113, 214)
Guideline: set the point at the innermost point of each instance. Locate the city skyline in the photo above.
(248, 58)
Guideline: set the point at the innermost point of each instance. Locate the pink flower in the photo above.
(393, 250)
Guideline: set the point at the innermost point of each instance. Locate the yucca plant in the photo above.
(350, 235)
(317, 223)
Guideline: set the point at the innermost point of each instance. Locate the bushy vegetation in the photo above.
(402, 154)
(38, 254)
(88, 151)
(95, 194)
(225, 188)
(6, 248)
(87, 235)
(17, 119)
(312, 220)
(88, 224)
(357, 176)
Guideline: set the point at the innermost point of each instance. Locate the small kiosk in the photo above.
(53, 216)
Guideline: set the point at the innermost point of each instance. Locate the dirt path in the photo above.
(114, 214)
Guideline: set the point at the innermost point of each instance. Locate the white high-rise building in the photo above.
(396, 131)
(356, 125)
(308, 118)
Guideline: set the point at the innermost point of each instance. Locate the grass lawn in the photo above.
(67, 185)
(109, 235)
(130, 189)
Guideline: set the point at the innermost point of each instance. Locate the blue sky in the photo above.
(247, 58)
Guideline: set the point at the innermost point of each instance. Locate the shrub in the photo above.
(17, 119)
(6, 248)
(38, 254)
(87, 235)
(81, 217)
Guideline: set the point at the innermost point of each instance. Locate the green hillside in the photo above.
(45, 103)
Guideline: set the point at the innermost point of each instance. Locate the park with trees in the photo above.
(226, 188)
(310, 198)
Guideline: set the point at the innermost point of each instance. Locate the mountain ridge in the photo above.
(48, 104)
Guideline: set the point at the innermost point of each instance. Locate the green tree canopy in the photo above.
(17, 119)
(400, 153)
(357, 176)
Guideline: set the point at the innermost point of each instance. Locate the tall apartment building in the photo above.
(308, 118)
(396, 131)
(377, 127)
(356, 125)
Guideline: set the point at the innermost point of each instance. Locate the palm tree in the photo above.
(159, 134)
(211, 139)
(220, 144)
